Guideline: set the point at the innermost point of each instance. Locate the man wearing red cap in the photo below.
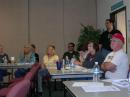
(115, 64)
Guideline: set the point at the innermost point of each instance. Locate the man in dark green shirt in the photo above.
(71, 53)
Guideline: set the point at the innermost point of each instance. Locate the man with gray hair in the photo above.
(26, 57)
(116, 63)
(3, 59)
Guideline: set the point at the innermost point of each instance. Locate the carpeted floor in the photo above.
(59, 92)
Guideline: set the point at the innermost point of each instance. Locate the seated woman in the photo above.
(3, 59)
(27, 57)
(93, 55)
(83, 52)
(49, 59)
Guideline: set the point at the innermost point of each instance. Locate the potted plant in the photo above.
(87, 33)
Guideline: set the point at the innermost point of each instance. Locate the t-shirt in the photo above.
(50, 61)
(120, 59)
(70, 55)
(105, 39)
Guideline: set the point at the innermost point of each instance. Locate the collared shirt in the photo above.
(30, 58)
(120, 59)
(71, 55)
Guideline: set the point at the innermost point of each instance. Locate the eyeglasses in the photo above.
(114, 40)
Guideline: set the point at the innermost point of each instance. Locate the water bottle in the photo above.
(63, 64)
(96, 72)
(67, 62)
(129, 81)
(72, 62)
(5, 60)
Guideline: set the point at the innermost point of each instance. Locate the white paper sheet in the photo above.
(51, 67)
(121, 83)
(92, 84)
(100, 89)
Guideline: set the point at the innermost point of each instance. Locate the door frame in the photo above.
(112, 16)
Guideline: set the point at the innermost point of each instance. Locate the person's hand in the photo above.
(110, 67)
(77, 62)
(43, 66)
(113, 70)
(81, 53)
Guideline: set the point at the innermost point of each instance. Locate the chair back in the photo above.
(21, 89)
(29, 76)
(35, 69)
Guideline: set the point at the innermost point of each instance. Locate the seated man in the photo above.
(71, 52)
(33, 48)
(116, 63)
(27, 57)
(3, 59)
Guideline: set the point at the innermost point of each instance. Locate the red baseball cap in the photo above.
(119, 36)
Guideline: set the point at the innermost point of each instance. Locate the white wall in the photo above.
(58, 21)
(103, 12)
(13, 25)
(50, 22)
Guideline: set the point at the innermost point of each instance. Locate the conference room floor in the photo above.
(59, 92)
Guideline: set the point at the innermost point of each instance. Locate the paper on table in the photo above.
(90, 84)
(51, 67)
(78, 68)
(107, 80)
(85, 70)
(121, 83)
(100, 89)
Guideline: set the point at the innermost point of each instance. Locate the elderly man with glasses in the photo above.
(115, 64)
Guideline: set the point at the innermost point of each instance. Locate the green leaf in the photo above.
(87, 33)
